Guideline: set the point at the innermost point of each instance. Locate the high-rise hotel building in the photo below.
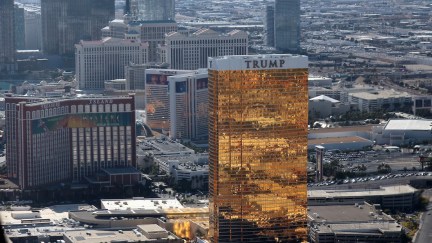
(287, 25)
(258, 148)
(19, 28)
(62, 140)
(99, 61)
(157, 98)
(269, 22)
(152, 32)
(135, 74)
(66, 22)
(33, 29)
(188, 99)
(192, 51)
(7, 36)
(154, 10)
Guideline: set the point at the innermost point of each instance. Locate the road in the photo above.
(424, 235)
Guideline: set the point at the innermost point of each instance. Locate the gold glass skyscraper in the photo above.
(258, 148)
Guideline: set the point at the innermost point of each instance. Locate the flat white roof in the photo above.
(97, 236)
(151, 228)
(313, 78)
(381, 94)
(142, 204)
(360, 228)
(53, 213)
(409, 124)
(382, 191)
(325, 98)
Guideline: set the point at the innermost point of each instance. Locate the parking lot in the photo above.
(398, 161)
(392, 178)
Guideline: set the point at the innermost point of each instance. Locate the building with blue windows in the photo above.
(287, 25)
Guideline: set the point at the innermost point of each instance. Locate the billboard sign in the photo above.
(85, 120)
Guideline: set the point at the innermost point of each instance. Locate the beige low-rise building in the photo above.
(370, 101)
(323, 106)
(144, 233)
(401, 197)
(361, 222)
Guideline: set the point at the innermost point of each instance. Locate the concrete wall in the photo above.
(397, 138)
(320, 108)
(362, 134)
(343, 146)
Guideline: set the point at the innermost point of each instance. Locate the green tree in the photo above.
(384, 168)
(330, 169)
(362, 167)
(154, 169)
(183, 185)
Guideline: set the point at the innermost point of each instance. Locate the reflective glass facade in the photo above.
(258, 148)
(153, 10)
(157, 99)
(287, 25)
(269, 26)
(67, 22)
(7, 36)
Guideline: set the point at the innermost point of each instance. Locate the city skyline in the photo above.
(216, 121)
